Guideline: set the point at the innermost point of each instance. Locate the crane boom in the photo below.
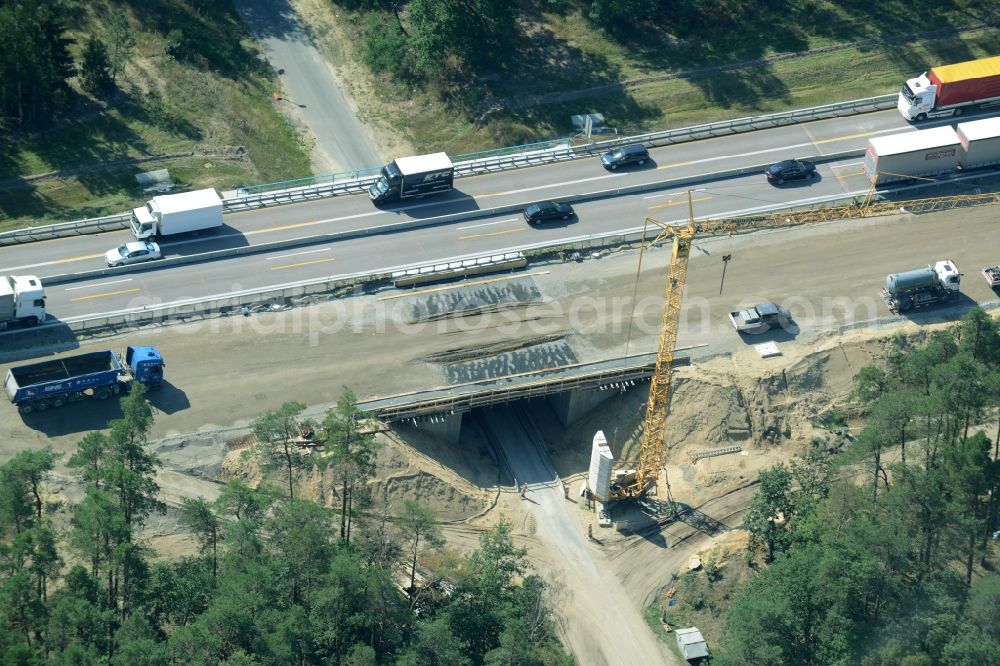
(652, 452)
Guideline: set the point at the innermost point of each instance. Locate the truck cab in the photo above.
(948, 275)
(387, 187)
(22, 300)
(143, 223)
(916, 98)
(145, 364)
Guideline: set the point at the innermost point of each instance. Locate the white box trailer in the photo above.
(182, 213)
(900, 156)
(980, 141)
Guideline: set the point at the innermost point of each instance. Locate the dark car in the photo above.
(633, 154)
(790, 170)
(547, 210)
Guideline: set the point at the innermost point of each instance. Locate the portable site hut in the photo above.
(691, 643)
(980, 142)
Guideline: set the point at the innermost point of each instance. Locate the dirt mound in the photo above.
(407, 467)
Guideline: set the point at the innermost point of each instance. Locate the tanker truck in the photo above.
(923, 286)
(951, 89)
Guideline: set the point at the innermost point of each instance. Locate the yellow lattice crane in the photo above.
(652, 452)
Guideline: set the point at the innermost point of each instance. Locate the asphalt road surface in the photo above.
(511, 187)
(483, 235)
(342, 142)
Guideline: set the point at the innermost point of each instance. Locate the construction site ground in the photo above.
(224, 372)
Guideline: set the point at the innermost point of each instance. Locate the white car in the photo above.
(132, 253)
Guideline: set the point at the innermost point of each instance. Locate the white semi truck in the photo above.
(22, 300)
(183, 213)
(951, 89)
(924, 286)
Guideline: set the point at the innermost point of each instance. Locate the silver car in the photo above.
(132, 253)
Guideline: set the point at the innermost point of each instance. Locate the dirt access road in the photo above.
(605, 626)
(311, 95)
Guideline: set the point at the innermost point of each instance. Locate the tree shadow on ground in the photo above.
(23, 200)
(212, 38)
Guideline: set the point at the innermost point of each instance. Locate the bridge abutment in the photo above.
(571, 405)
(446, 426)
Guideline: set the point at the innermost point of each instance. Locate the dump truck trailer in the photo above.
(94, 375)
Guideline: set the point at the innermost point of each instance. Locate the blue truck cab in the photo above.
(146, 366)
(93, 375)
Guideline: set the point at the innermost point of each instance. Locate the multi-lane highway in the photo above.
(479, 235)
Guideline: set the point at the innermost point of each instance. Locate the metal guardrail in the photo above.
(437, 272)
(754, 123)
(93, 225)
(370, 172)
(553, 150)
(308, 181)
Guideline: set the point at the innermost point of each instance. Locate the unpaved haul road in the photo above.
(342, 142)
(599, 623)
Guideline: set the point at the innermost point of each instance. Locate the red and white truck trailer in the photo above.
(951, 89)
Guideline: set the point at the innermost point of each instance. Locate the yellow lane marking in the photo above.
(848, 175)
(462, 284)
(492, 233)
(678, 202)
(302, 263)
(107, 293)
(671, 166)
(283, 227)
(80, 258)
(844, 138)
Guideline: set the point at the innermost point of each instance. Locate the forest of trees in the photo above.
(452, 40)
(436, 41)
(884, 572)
(277, 580)
(36, 65)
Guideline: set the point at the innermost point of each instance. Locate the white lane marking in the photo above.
(295, 254)
(837, 166)
(806, 144)
(97, 284)
(545, 187)
(486, 224)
